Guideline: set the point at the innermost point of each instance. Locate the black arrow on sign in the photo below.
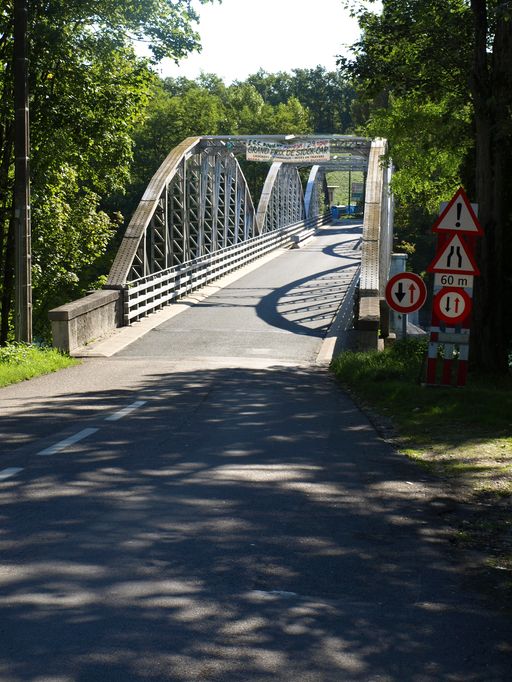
(400, 294)
(456, 304)
(450, 256)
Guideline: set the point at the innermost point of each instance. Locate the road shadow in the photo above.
(241, 525)
(307, 306)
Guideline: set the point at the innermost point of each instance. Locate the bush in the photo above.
(14, 353)
(401, 362)
(20, 361)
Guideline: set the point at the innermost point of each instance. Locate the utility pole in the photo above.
(22, 230)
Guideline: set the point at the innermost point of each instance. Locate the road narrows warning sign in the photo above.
(455, 256)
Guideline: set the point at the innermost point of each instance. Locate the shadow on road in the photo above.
(241, 525)
(308, 305)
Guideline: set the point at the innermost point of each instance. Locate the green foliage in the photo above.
(169, 119)
(327, 95)
(401, 362)
(412, 48)
(179, 108)
(429, 141)
(390, 381)
(340, 180)
(19, 362)
(14, 353)
(88, 94)
(413, 91)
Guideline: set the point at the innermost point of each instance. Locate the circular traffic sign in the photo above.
(452, 305)
(406, 292)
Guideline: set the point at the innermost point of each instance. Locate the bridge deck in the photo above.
(279, 312)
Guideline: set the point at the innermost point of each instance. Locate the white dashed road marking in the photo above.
(11, 471)
(125, 411)
(63, 444)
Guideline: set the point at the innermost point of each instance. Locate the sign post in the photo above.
(454, 268)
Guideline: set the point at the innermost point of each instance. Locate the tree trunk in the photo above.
(6, 196)
(6, 150)
(502, 91)
(490, 343)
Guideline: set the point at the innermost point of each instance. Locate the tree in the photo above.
(179, 108)
(446, 113)
(327, 95)
(172, 114)
(88, 92)
(491, 90)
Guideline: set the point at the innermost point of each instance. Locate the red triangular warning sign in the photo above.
(458, 216)
(454, 256)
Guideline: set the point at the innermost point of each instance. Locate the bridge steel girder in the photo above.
(282, 198)
(196, 203)
(316, 197)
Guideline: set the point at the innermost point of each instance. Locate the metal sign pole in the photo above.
(404, 325)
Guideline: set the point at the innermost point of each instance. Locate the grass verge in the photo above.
(463, 436)
(19, 362)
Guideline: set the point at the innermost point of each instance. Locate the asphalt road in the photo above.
(210, 505)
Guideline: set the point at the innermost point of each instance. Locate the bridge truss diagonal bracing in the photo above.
(197, 204)
(282, 199)
(196, 221)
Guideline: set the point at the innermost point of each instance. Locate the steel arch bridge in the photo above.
(197, 221)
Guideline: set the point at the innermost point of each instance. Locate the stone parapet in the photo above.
(76, 324)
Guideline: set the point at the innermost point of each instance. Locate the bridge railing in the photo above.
(152, 292)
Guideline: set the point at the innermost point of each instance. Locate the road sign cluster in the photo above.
(454, 270)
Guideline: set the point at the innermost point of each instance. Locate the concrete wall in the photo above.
(76, 324)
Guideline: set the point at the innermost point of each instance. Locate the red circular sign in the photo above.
(406, 292)
(452, 305)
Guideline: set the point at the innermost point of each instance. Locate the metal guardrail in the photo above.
(150, 293)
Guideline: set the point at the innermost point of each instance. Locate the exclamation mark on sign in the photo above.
(459, 211)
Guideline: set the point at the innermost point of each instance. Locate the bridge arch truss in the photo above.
(197, 221)
(197, 203)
